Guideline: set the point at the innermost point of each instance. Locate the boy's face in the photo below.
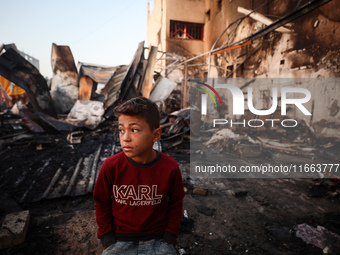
(136, 138)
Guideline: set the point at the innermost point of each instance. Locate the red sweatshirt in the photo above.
(133, 198)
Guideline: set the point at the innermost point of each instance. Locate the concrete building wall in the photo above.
(158, 33)
(154, 27)
(310, 50)
(187, 11)
(219, 15)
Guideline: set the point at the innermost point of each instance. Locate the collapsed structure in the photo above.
(77, 101)
(215, 39)
(75, 92)
(186, 39)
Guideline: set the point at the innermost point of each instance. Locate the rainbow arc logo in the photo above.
(209, 93)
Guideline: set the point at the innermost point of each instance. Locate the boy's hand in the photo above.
(108, 239)
(170, 238)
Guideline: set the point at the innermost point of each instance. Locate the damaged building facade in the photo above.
(255, 39)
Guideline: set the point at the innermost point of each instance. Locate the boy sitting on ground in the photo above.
(139, 191)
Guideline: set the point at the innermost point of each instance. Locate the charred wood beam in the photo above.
(53, 124)
(54, 180)
(73, 178)
(94, 169)
(33, 182)
(3, 178)
(87, 171)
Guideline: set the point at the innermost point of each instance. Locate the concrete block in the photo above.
(199, 191)
(240, 193)
(14, 229)
(249, 150)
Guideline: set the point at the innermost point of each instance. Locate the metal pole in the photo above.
(185, 85)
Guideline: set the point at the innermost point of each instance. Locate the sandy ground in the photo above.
(237, 216)
(219, 223)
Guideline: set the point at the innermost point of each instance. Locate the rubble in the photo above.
(55, 125)
(248, 150)
(289, 148)
(124, 82)
(77, 95)
(18, 70)
(240, 193)
(64, 86)
(86, 113)
(318, 236)
(221, 135)
(90, 76)
(162, 90)
(187, 225)
(326, 186)
(282, 234)
(147, 79)
(329, 133)
(205, 210)
(174, 130)
(226, 140)
(14, 228)
(75, 137)
(199, 191)
(66, 165)
(263, 19)
(130, 85)
(4, 99)
(318, 190)
(11, 94)
(181, 251)
(53, 180)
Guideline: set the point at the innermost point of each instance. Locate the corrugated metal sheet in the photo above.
(97, 73)
(113, 85)
(22, 73)
(53, 180)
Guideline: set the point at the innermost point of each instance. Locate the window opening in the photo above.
(186, 30)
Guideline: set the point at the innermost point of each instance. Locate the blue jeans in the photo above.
(152, 247)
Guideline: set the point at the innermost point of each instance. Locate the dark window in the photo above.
(207, 15)
(219, 5)
(186, 30)
(230, 71)
(239, 70)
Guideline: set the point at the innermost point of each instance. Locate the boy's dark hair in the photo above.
(140, 106)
